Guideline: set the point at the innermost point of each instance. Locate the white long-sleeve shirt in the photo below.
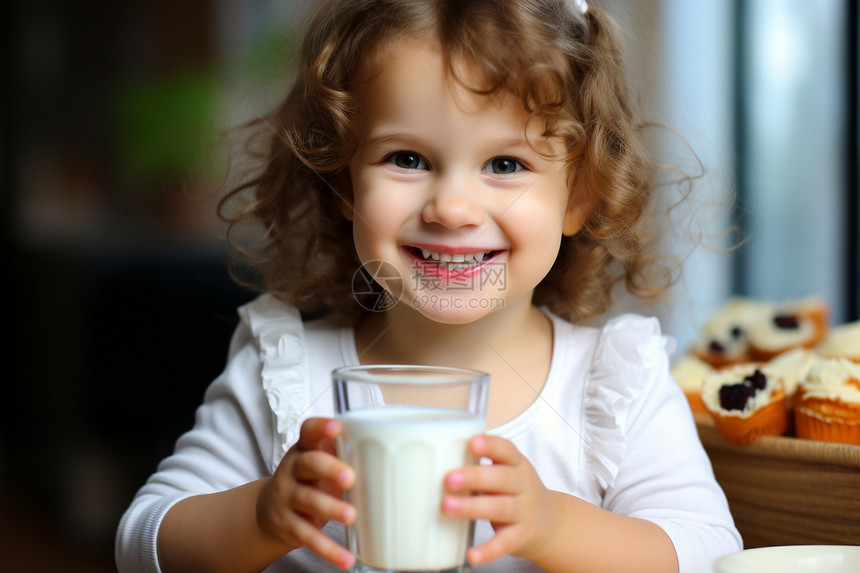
(610, 426)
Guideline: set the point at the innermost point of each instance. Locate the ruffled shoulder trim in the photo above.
(629, 353)
(279, 335)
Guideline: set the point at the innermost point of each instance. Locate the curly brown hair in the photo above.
(566, 68)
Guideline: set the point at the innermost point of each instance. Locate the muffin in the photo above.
(791, 366)
(797, 324)
(842, 342)
(724, 339)
(689, 372)
(827, 404)
(746, 401)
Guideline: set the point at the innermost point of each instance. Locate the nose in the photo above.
(453, 204)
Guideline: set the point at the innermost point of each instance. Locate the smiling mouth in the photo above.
(452, 261)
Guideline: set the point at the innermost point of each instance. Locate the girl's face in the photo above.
(447, 190)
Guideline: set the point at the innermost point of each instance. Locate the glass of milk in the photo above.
(404, 428)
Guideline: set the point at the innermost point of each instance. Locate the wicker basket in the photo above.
(786, 490)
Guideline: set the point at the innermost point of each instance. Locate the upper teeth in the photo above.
(453, 258)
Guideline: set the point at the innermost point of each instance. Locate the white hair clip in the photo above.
(581, 5)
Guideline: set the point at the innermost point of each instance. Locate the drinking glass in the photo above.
(404, 428)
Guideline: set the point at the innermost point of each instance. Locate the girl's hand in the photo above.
(305, 493)
(518, 505)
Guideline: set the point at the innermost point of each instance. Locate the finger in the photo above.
(495, 508)
(495, 448)
(314, 539)
(502, 543)
(316, 465)
(316, 431)
(496, 478)
(321, 506)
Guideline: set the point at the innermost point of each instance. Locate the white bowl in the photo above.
(792, 559)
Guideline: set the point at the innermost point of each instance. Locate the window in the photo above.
(794, 135)
(765, 93)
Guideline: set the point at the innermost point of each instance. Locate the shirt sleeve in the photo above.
(229, 445)
(657, 469)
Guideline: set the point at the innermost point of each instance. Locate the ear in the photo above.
(578, 209)
(341, 184)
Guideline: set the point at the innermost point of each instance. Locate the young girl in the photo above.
(480, 159)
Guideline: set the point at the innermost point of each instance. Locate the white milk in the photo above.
(401, 455)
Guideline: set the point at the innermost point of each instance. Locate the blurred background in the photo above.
(121, 307)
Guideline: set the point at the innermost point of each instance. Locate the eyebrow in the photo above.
(394, 137)
(409, 139)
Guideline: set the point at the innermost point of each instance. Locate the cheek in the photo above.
(540, 223)
(550, 245)
(375, 227)
(363, 247)
(539, 238)
(385, 206)
(374, 196)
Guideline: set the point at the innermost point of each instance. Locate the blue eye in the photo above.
(503, 166)
(407, 160)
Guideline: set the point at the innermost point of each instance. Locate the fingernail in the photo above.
(345, 478)
(479, 442)
(345, 560)
(455, 481)
(474, 556)
(347, 514)
(332, 427)
(451, 503)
